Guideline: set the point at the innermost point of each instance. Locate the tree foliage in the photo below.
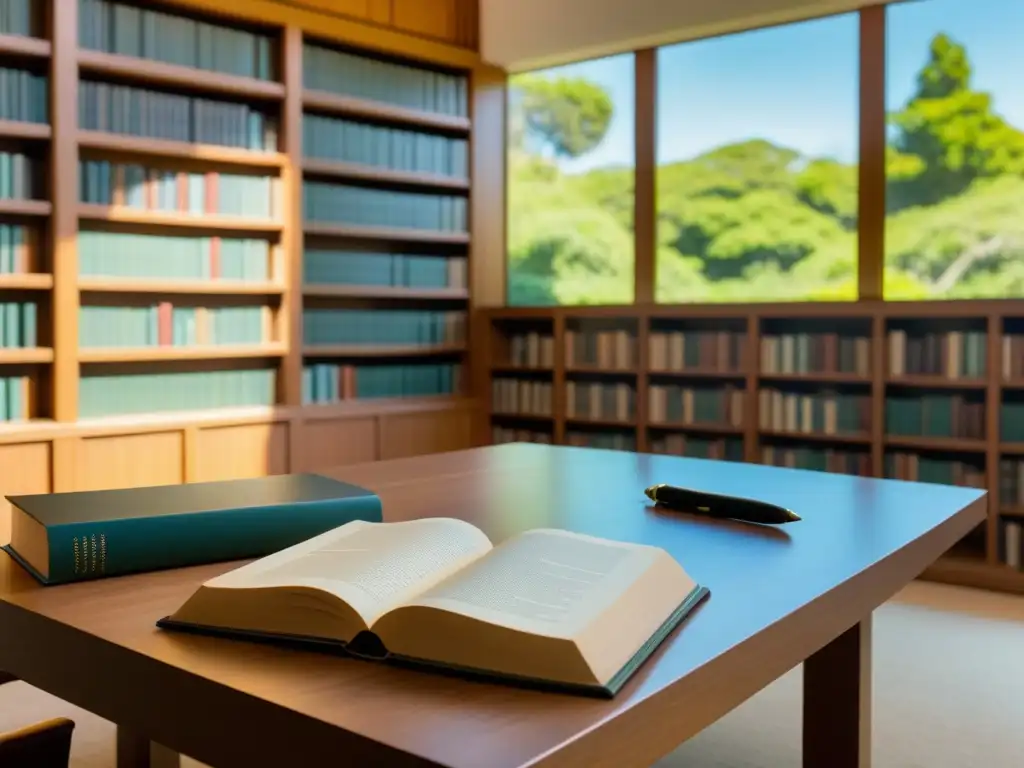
(755, 221)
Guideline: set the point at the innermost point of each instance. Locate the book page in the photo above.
(547, 604)
(372, 567)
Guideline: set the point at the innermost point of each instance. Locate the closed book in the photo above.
(65, 537)
(547, 608)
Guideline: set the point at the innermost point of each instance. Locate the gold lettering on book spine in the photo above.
(93, 553)
(103, 553)
(78, 555)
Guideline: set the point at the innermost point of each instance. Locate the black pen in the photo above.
(720, 506)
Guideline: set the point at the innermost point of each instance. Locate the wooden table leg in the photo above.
(837, 702)
(135, 751)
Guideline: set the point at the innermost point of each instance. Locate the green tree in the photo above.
(569, 115)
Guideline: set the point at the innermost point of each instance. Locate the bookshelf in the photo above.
(930, 391)
(232, 245)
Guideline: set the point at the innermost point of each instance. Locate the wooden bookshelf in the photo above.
(865, 376)
(52, 444)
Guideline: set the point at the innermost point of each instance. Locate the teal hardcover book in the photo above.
(547, 608)
(66, 537)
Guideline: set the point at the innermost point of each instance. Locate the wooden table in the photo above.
(802, 593)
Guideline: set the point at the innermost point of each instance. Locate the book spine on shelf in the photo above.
(333, 382)
(325, 202)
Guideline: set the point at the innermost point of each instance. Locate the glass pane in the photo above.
(570, 184)
(757, 165)
(955, 166)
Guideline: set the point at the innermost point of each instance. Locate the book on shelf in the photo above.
(24, 96)
(335, 267)
(903, 465)
(674, 404)
(846, 462)
(1011, 482)
(128, 30)
(952, 355)
(680, 350)
(65, 537)
(522, 397)
(15, 396)
(609, 349)
(18, 325)
(935, 415)
(328, 203)
(335, 382)
(822, 413)
(143, 188)
(103, 394)
(810, 353)
(1011, 421)
(1012, 352)
(17, 176)
(600, 401)
(1012, 541)
(154, 114)
(18, 247)
(547, 607)
(172, 257)
(163, 324)
(676, 444)
(383, 327)
(363, 77)
(397, 149)
(19, 17)
(501, 435)
(531, 350)
(613, 441)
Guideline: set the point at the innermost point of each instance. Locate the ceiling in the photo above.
(520, 35)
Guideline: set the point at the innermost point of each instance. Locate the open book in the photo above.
(547, 606)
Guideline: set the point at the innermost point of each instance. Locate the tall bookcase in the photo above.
(930, 391)
(227, 246)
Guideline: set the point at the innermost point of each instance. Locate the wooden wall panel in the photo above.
(327, 443)
(24, 468)
(430, 18)
(416, 434)
(249, 450)
(128, 461)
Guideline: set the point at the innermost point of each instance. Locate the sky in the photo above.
(796, 85)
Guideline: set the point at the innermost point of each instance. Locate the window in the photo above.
(570, 184)
(757, 165)
(955, 164)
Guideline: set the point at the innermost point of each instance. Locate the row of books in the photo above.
(609, 350)
(1011, 421)
(172, 117)
(599, 401)
(334, 382)
(24, 96)
(821, 413)
(124, 394)
(531, 350)
(18, 324)
(901, 465)
(349, 74)
(19, 17)
(702, 350)
(953, 355)
(383, 327)
(795, 353)
(837, 460)
(161, 189)
(1012, 541)
(17, 176)
(935, 415)
(675, 444)
(695, 405)
(501, 435)
(1013, 356)
(114, 27)
(331, 267)
(1011, 482)
(17, 243)
(610, 441)
(521, 397)
(165, 325)
(173, 257)
(396, 149)
(364, 206)
(14, 398)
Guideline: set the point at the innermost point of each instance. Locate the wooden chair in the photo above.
(43, 745)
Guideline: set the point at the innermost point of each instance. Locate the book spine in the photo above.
(83, 551)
